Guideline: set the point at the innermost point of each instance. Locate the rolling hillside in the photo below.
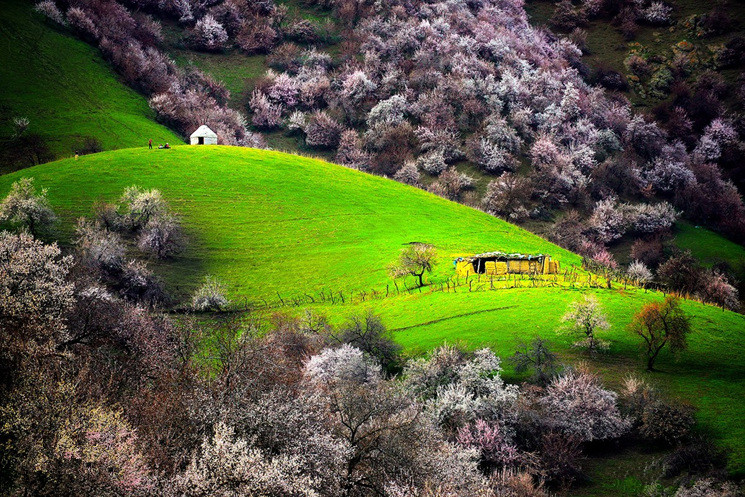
(66, 90)
(267, 222)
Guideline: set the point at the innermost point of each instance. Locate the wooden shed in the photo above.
(499, 263)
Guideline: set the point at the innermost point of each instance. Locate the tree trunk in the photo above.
(421, 281)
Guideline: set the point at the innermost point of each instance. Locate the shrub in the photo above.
(266, 115)
(208, 34)
(25, 208)
(162, 236)
(350, 152)
(505, 197)
(210, 296)
(346, 364)
(302, 31)
(36, 295)
(322, 131)
(718, 290)
(578, 405)
(567, 17)
(368, 334)
(639, 273)
(607, 221)
(700, 456)
(137, 283)
(489, 439)
(257, 36)
(657, 13)
(490, 157)
(101, 249)
(433, 162)
(651, 218)
(226, 463)
(50, 10)
(559, 459)
(408, 174)
(664, 423)
(647, 251)
(708, 487)
(140, 205)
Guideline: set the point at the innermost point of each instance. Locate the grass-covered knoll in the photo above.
(67, 91)
(265, 221)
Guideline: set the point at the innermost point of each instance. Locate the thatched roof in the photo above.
(502, 256)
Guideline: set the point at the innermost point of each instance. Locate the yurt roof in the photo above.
(204, 130)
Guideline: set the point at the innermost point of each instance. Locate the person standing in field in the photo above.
(150, 144)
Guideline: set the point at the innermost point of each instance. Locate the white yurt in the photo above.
(204, 136)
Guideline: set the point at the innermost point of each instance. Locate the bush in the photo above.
(567, 17)
(322, 131)
(346, 364)
(647, 251)
(559, 460)
(657, 13)
(266, 115)
(23, 207)
(101, 249)
(700, 456)
(408, 174)
(257, 36)
(50, 10)
(210, 296)
(208, 34)
(433, 162)
(162, 236)
(664, 423)
(368, 334)
(577, 404)
(140, 206)
(494, 449)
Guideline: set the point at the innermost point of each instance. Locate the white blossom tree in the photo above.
(25, 208)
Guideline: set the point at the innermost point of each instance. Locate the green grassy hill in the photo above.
(267, 222)
(65, 88)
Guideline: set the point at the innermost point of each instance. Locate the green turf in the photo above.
(709, 247)
(267, 222)
(66, 89)
(710, 374)
(236, 71)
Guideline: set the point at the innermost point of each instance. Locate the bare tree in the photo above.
(414, 260)
(536, 357)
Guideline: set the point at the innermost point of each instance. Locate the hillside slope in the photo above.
(66, 90)
(267, 222)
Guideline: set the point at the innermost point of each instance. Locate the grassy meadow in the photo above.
(66, 90)
(267, 222)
